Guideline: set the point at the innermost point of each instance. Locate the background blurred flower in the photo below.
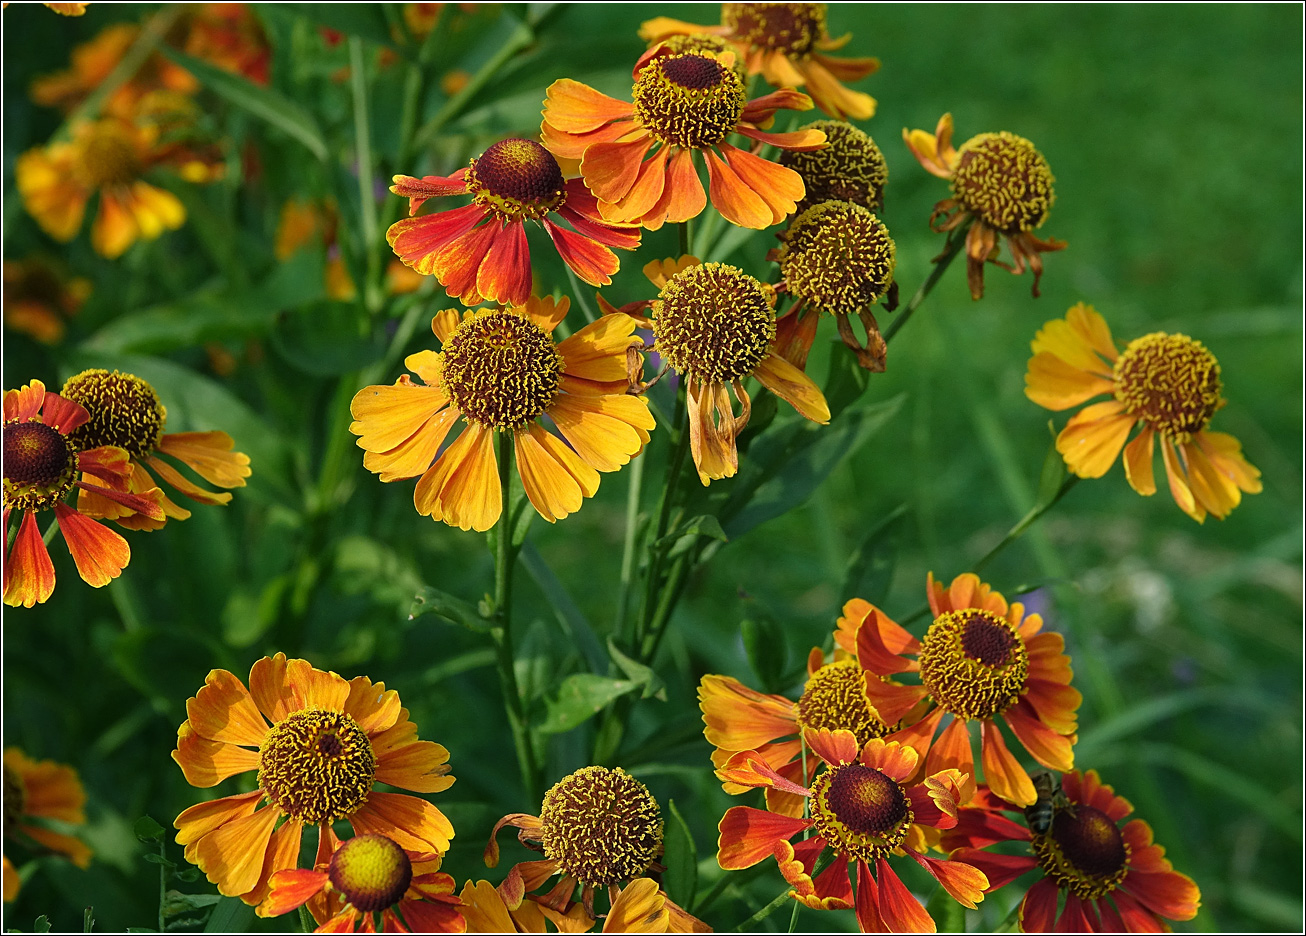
(39, 296)
(41, 790)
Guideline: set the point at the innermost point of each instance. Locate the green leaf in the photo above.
(230, 915)
(264, 103)
(686, 536)
(764, 642)
(681, 858)
(639, 673)
(570, 618)
(455, 610)
(42, 924)
(1050, 478)
(364, 20)
(159, 860)
(328, 338)
(949, 916)
(147, 830)
(580, 697)
(846, 382)
(88, 920)
(870, 567)
(175, 902)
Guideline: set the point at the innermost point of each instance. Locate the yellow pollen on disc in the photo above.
(849, 168)
(371, 871)
(517, 179)
(688, 100)
(1083, 852)
(860, 810)
(1005, 181)
(501, 369)
(973, 663)
(838, 256)
(789, 28)
(124, 411)
(1171, 382)
(714, 322)
(704, 42)
(40, 467)
(835, 697)
(317, 766)
(106, 156)
(601, 825)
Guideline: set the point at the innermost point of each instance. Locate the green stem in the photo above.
(665, 505)
(636, 475)
(372, 294)
(1026, 522)
(793, 917)
(306, 922)
(163, 877)
(760, 915)
(48, 536)
(955, 241)
(684, 238)
(723, 882)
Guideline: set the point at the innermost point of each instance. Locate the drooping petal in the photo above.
(734, 197)
(780, 187)
(28, 571)
(418, 241)
(551, 489)
(1048, 747)
(462, 487)
(505, 274)
(964, 883)
(738, 718)
(209, 455)
(1055, 384)
(749, 835)
(610, 169)
(422, 767)
(682, 197)
(231, 856)
(869, 919)
(644, 192)
(1178, 479)
(1094, 437)
(457, 265)
(901, 911)
(952, 749)
(99, 553)
(591, 261)
(201, 819)
(282, 854)
(1038, 911)
(413, 456)
(1138, 463)
(605, 430)
(792, 385)
(414, 824)
(1002, 771)
(291, 889)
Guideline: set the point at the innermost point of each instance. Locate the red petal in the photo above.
(505, 273)
(834, 747)
(999, 869)
(868, 902)
(458, 262)
(417, 191)
(591, 261)
(418, 241)
(1038, 911)
(901, 911)
(749, 835)
(63, 414)
(100, 553)
(28, 573)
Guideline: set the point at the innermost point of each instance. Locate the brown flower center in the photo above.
(371, 872)
(1170, 381)
(703, 42)
(106, 156)
(1004, 180)
(974, 663)
(838, 256)
(317, 766)
(517, 179)
(39, 466)
(124, 410)
(1084, 852)
(501, 369)
(860, 811)
(688, 100)
(835, 697)
(789, 28)
(713, 322)
(601, 825)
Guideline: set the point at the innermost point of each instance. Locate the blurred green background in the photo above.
(1175, 136)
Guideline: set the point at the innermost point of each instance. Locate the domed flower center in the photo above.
(501, 369)
(1004, 180)
(703, 42)
(835, 697)
(1083, 852)
(39, 466)
(789, 28)
(517, 179)
(974, 663)
(713, 321)
(15, 799)
(106, 156)
(688, 100)
(317, 766)
(1170, 381)
(601, 825)
(371, 871)
(124, 410)
(850, 168)
(838, 256)
(859, 810)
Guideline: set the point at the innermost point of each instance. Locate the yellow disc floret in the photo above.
(849, 168)
(860, 811)
(835, 697)
(317, 766)
(601, 825)
(517, 179)
(790, 28)
(974, 663)
(124, 410)
(40, 467)
(1171, 382)
(105, 154)
(838, 256)
(371, 872)
(714, 322)
(501, 369)
(1083, 852)
(1004, 180)
(688, 100)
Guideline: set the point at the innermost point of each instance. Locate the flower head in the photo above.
(319, 744)
(1001, 186)
(682, 103)
(786, 44)
(39, 297)
(863, 807)
(480, 251)
(1114, 879)
(850, 168)
(41, 468)
(230, 36)
(1167, 384)
(501, 372)
(125, 411)
(981, 660)
(41, 790)
(367, 875)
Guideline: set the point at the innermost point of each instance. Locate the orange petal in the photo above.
(1050, 748)
(505, 274)
(952, 750)
(611, 169)
(895, 760)
(1226, 457)
(1094, 437)
(374, 707)
(223, 710)
(792, 385)
(178, 482)
(207, 763)
(74, 848)
(749, 835)
(114, 228)
(1053, 384)
(640, 908)
(28, 571)
(734, 198)
(231, 856)
(291, 889)
(269, 687)
(413, 823)
(1002, 772)
(1179, 489)
(99, 553)
(418, 241)
(417, 191)
(901, 911)
(315, 688)
(604, 430)
(422, 767)
(738, 718)
(779, 186)
(1138, 463)
(210, 455)
(458, 263)
(412, 457)
(24, 403)
(462, 487)
(282, 854)
(834, 747)
(577, 108)
(591, 261)
(550, 487)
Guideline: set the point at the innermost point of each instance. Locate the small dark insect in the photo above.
(1051, 800)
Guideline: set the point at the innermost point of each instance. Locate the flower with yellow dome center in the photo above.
(598, 827)
(41, 468)
(125, 411)
(864, 808)
(40, 790)
(501, 372)
(1169, 385)
(981, 660)
(480, 251)
(318, 744)
(1001, 187)
(786, 43)
(637, 158)
(850, 168)
(39, 297)
(365, 876)
(1114, 879)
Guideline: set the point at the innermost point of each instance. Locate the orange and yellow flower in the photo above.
(125, 411)
(1001, 187)
(683, 103)
(980, 660)
(364, 876)
(786, 44)
(41, 467)
(639, 907)
(39, 298)
(715, 325)
(320, 743)
(500, 371)
(480, 251)
(41, 790)
(864, 808)
(230, 36)
(1168, 384)
(108, 157)
(1115, 880)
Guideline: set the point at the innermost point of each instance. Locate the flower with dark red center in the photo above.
(1167, 384)
(864, 808)
(1114, 878)
(637, 158)
(1001, 187)
(981, 660)
(41, 468)
(39, 297)
(480, 252)
(786, 44)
